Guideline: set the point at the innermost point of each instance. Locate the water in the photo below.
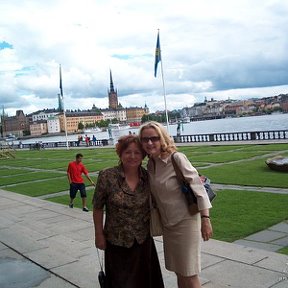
(243, 124)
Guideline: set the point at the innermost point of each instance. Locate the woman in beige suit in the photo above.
(181, 231)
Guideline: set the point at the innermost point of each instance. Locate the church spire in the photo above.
(111, 83)
(112, 95)
(60, 103)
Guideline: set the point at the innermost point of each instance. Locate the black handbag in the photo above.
(101, 275)
(102, 279)
(187, 190)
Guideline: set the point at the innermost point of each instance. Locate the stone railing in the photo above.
(213, 137)
(233, 136)
(61, 144)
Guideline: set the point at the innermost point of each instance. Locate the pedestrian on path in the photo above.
(131, 259)
(94, 140)
(181, 230)
(74, 173)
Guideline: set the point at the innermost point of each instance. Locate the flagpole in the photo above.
(64, 114)
(158, 59)
(164, 94)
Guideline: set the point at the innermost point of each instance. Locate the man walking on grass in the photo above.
(74, 173)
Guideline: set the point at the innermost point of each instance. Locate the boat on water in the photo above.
(92, 130)
(278, 163)
(10, 137)
(185, 120)
(118, 127)
(117, 130)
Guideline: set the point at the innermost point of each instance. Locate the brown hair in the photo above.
(167, 143)
(125, 141)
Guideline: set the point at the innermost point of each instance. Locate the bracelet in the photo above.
(205, 216)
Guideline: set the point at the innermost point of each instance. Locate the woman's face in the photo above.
(151, 141)
(131, 157)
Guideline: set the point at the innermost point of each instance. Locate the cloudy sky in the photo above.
(219, 49)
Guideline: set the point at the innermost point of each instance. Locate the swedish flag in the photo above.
(157, 55)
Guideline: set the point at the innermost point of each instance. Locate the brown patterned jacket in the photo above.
(127, 213)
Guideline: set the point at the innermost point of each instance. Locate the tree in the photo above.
(103, 123)
(80, 126)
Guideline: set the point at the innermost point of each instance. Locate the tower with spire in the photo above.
(60, 103)
(112, 95)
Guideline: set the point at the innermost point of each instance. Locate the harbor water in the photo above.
(226, 125)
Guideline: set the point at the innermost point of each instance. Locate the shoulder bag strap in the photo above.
(101, 261)
(178, 172)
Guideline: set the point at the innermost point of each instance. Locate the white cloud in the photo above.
(217, 49)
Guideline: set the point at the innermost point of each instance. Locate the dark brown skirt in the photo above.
(135, 267)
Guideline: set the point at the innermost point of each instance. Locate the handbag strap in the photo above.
(101, 261)
(178, 172)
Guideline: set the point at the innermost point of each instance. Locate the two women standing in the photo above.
(130, 254)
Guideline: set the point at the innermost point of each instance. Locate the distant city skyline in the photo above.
(215, 49)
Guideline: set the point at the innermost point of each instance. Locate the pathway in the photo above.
(56, 243)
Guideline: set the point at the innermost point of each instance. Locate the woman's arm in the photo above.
(100, 241)
(206, 227)
(192, 177)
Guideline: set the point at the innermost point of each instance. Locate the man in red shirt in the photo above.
(74, 173)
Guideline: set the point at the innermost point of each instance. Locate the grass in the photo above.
(32, 176)
(283, 251)
(77, 202)
(235, 214)
(10, 172)
(220, 157)
(41, 188)
(248, 173)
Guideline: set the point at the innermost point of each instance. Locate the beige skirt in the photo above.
(182, 246)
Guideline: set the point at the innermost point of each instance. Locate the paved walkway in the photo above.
(44, 244)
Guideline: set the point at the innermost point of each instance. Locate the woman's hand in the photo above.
(100, 241)
(206, 229)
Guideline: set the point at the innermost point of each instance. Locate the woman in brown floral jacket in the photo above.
(130, 255)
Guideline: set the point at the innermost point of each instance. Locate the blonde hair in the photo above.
(167, 143)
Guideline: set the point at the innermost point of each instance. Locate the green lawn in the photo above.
(77, 202)
(235, 214)
(220, 157)
(41, 188)
(9, 172)
(250, 173)
(27, 177)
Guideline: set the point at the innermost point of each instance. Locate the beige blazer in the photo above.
(167, 191)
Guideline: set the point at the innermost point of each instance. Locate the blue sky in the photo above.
(5, 45)
(221, 49)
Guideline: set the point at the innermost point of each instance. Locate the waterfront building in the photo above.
(17, 125)
(119, 114)
(74, 118)
(53, 125)
(43, 114)
(212, 108)
(135, 114)
(284, 103)
(195, 111)
(38, 128)
(239, 108)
